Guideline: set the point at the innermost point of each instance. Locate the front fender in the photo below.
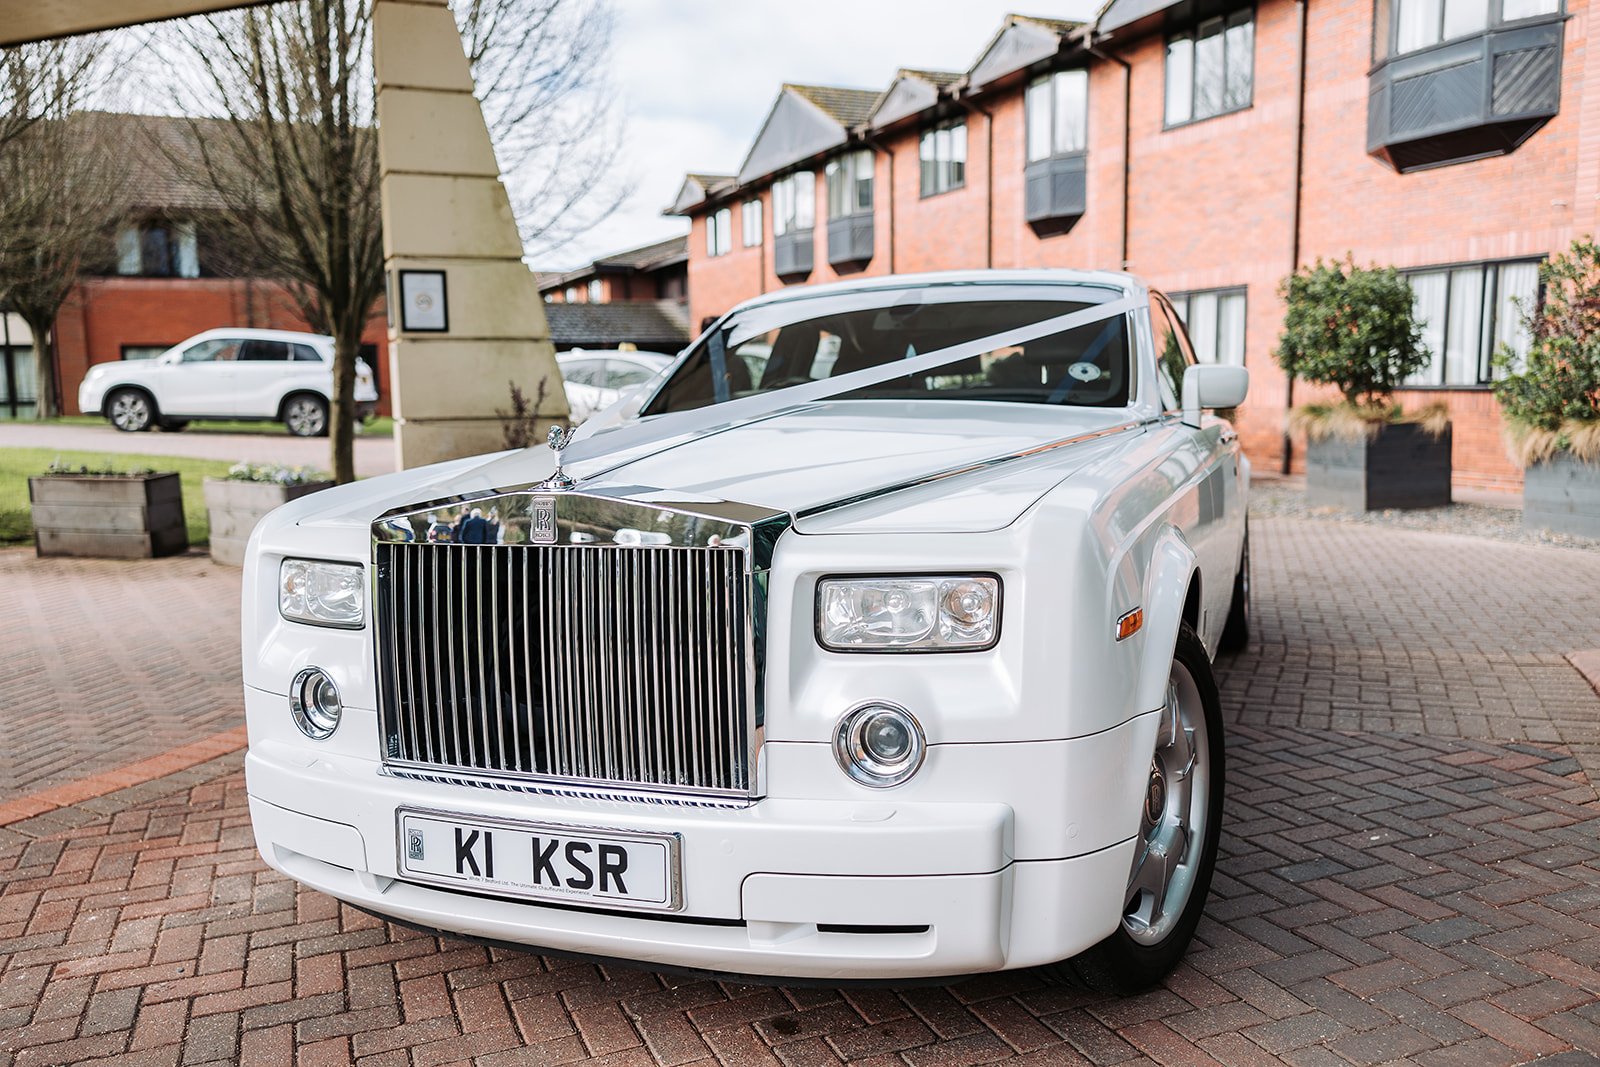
(1166, 587)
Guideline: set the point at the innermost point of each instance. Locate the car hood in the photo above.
(835, 466)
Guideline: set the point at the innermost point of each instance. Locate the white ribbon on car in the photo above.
(609, 444)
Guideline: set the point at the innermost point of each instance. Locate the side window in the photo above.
(1173, 352)
(621, 375)
(216, 350)
(304, 354)
(265, 352)
(582, 371)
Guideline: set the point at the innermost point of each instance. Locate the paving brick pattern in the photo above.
(104, 662)
(1388, 892)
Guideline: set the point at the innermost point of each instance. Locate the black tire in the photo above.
(174, 425)
(1236, 631)
(131, 410)
(1123, 964)
(306, 415)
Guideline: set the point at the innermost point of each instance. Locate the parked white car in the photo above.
(596, 380)
(893, 660)
(274, 375)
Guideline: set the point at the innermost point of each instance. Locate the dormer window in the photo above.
(1211, 69)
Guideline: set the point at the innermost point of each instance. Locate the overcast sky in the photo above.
(697, 78)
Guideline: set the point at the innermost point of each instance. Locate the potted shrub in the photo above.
(1551, 402)
(1354, 328)
(236, 503)
(120, 514)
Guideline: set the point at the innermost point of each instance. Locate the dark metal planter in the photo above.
(108, 516)
(234, 508)
(1562, 494)
(1403, 466)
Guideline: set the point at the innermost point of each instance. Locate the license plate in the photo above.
(572, 864)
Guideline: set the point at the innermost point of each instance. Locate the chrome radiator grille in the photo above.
(620, 665)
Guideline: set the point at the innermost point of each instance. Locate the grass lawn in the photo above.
(18, 464)
(379, 426)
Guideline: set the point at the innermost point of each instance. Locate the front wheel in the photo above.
(306, 415)
(130, 410)
(1175, 852)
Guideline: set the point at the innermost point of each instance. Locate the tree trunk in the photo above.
(342, 426)
(44, 370)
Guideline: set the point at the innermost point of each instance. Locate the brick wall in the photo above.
(103, 314)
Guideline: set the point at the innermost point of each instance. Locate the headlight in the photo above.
(322, 594)
(954, 613)
(879, 744)
(314, 703)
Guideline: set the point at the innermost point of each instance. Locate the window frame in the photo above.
(844, 170)
(1192, 35)
(1218, 291)
(1385, 22)
(1489, 299)
(750, 217)
(1053, 96)
(945, 126)
(719, 233)
(790, 223)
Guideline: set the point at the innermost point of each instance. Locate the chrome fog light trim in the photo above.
(314, 703)
(879, 744)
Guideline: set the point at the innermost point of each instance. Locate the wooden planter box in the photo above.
(1562, 494)
(235, 507)
(1404, 466)
(120, 517)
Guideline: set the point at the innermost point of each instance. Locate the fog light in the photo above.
(314, 703)
(879, 744)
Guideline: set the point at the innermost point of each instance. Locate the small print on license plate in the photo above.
(616, 868)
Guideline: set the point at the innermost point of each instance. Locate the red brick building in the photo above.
(1209, 147)
(164, 279)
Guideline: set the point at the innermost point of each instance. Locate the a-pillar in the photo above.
(466, 322)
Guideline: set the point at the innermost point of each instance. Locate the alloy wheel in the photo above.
(1172, 825)
(130, 411)
(305, 417)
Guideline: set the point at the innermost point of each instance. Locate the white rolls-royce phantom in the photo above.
(874, 642)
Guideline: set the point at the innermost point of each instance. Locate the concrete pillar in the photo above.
(444, 209)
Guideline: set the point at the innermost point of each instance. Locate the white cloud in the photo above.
(697, 78)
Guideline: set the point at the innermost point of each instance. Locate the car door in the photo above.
(259, 377)
(1205, 511)
(199, 380)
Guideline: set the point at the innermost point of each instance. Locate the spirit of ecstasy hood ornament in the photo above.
(559, 438)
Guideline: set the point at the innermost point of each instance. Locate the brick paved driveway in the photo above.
(1411, 873)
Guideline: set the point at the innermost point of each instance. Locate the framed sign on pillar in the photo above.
(424, 302)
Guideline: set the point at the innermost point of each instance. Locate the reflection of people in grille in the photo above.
(438, 528)
(474, 529)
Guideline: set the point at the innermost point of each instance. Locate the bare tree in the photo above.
(540, 71)
(295, 166)
(62, 176)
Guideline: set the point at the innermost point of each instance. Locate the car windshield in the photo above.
(774, 346)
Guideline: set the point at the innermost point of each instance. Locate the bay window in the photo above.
(794, 203)
(849, 180)
(1058, 114)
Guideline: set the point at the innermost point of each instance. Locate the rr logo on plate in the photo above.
(544, 522)
(414, 844)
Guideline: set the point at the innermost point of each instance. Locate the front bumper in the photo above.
(796, 885)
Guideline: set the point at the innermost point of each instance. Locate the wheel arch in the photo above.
(283, 401)
(123, 387)
(1171, 598)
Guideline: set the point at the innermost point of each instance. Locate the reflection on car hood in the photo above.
(838, 466)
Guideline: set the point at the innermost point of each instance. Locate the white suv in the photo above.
(226, 374)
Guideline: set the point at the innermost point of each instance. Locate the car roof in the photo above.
(1129, 284)
(614, 353)
(251, 333)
